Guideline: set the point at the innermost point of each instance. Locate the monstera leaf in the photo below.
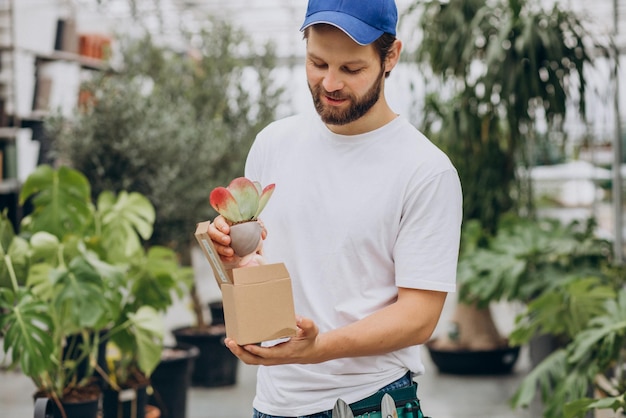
(61, 201)
(125, 220)
(26, 324)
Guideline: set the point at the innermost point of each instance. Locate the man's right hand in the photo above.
(219, 231)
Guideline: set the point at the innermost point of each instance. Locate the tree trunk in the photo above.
(475, 330)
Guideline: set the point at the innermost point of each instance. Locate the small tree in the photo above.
(173, 124)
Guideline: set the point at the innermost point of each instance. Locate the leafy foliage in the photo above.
(527, 258)
(588, 362)
(505, 65)
(70, 276)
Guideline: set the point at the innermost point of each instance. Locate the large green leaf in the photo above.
(565, 310)
(147, 327)
(78, 296)
(61, 201)
(125, 220)
(603, 340)
(157, 277)
(27, 325)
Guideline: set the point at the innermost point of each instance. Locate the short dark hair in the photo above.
(382, 45)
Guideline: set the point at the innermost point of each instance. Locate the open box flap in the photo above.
(258, 274)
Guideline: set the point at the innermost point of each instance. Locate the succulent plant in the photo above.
(240, 204)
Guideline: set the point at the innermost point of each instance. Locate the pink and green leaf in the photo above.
(225, 204)
(265, 196)
(245, 193)
(243, 199)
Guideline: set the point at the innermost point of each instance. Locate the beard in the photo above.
(357, 106)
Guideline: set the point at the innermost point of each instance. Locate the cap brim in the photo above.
(361, 33)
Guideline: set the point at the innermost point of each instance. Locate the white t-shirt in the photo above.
(353, 218)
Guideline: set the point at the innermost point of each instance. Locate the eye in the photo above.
(317, 64)
(352, 70)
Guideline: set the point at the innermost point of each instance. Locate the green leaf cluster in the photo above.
(528, 258)
(591, 362)
(77, 274)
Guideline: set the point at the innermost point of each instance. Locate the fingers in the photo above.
(263, 229)
(219, 231)
(243, 353)
(306, 328)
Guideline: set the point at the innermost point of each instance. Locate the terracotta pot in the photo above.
(152, 412)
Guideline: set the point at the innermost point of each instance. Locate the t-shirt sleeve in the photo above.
(426, 251)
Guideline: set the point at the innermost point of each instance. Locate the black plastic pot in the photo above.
(47, 408)
(171, 380)
(127, 403)
(215, 365)
(470, 362)
(217, 312)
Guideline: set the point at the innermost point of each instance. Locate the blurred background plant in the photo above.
(172, 123)
(506, 69)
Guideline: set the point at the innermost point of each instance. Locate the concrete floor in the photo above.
(442, 396)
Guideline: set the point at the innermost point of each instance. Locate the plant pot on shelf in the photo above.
(171, 380)
(474, 362)
(215, 365)
(126, 403)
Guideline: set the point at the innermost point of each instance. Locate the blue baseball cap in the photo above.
(362, 20)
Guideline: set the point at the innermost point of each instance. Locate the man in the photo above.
(366, 216)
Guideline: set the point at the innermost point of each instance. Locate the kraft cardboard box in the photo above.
(258, 301)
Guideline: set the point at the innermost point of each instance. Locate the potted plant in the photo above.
(507, 68)
(560, 273)
(586, 374)
(79, 268)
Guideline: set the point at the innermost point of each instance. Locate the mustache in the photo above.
(336, 95)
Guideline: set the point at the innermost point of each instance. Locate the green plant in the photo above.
(172, 124)
(77, 271)
(528, 258)
(592, 363)
(502, 69)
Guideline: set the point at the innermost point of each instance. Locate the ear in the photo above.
(393, 56)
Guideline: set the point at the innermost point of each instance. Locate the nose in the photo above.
(332, 81)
